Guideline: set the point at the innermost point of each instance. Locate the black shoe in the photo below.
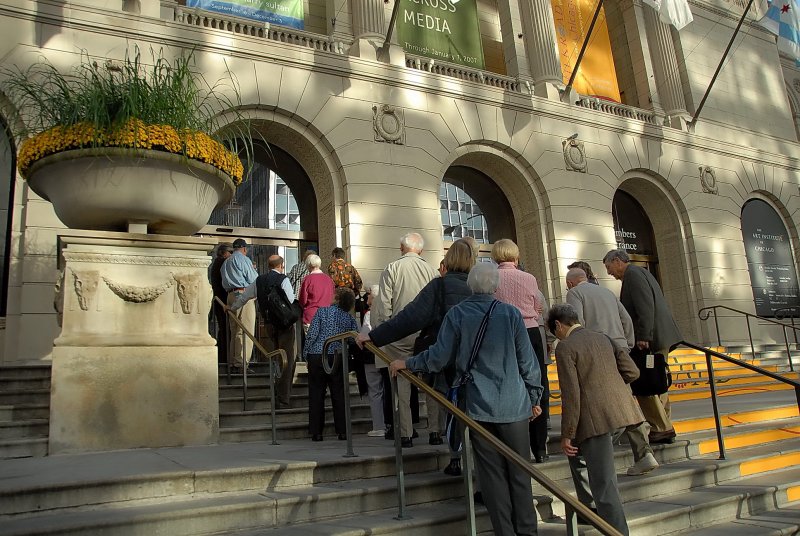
(389, 434)
(541, 457)
(282, 405)
(477, 498)
(414, 434)
(342, 437)
(435, 439)
(453, 468)
(406, 442)
(316, 437)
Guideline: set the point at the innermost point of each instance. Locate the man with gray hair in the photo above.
(654, 329)
(599, 310)
(399, 284)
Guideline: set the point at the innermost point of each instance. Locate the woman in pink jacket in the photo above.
(520, 289)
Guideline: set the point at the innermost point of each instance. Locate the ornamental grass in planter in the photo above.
(118, 143)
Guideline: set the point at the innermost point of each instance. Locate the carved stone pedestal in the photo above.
(134, 365)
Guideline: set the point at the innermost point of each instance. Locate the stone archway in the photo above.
(318, 189)
(667, 217)
(518, 212)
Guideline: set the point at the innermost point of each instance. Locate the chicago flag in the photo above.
(675, 12)
(783, 19)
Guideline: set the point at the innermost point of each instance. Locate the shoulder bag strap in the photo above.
(466, 377)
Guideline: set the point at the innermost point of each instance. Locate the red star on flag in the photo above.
(785, 8)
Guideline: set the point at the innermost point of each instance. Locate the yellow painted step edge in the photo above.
(745, 417)
(793, 494)
(748, 440)
(771, 463)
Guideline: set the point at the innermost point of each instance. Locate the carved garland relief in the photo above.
(131, 293)
(575, 155)
(708, 180)
(387, 121)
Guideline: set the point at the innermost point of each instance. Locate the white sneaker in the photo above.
(375, 433)
(645, 465)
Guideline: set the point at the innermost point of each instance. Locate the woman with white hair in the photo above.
(502, 392)
(316, 290)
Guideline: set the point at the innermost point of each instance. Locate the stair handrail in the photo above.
(706, 312)
(342, 358)
(279, 354)
(712, 384)
(573, 507)
(779, 314)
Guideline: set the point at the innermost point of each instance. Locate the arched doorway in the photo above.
(773, 275)
(274, 209)
(634, 232)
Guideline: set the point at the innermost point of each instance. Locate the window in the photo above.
(461, 216)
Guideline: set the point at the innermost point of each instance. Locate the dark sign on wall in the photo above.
(769, 259)
(632, 227)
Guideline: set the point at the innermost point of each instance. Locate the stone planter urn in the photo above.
(120, 189)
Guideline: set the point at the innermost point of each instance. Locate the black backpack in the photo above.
(272, 302)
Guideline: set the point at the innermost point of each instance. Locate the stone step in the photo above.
(14, 383)
(24, 429)
(358, 411)
(25, 371)
(27, 396)
(782, 521)
(290, 430)
(23, 448)
(14, 412)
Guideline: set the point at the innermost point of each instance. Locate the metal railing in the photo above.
(707, 312)
(788, 312)
(573, 507)
(712, 385)
(278, 354)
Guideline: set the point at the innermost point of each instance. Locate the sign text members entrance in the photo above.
(445, 30)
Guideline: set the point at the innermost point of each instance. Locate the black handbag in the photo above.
(654, 376)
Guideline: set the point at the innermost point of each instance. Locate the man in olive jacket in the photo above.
(654, 329)
(595, 403)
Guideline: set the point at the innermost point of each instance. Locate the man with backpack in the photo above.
(276, 302)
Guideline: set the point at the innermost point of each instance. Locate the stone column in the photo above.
(542, 48)
(665, 69)
(369, 32)
(513, 34)
(134, 365)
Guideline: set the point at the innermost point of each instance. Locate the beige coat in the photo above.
(400, 283)
(594, 396)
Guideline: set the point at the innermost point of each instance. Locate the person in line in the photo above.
(654, 329)
(520, 289)
(224, 250)
(503, 395)
(299, 271)
(316, 291)
(274, 337)
(400, 283)
(596, 402)
(426, 313)
(600, 311)
(583, 265)
(374, 379)
(237, 274)
(343, 273)
(327, 322)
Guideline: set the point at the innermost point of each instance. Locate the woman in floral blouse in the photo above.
(327, 322)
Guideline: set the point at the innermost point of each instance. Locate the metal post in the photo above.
(572, 520)
(245, 366)
(346, 380)
(468, 488)
(398, 455)
(750, 334)
(272, 401)
(788, 351)
(229, 342)
(716, 323)
(793, 328)
(585, 44)
(717, 422)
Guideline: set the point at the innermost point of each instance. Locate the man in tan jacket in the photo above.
(595, 403)
(400, 283)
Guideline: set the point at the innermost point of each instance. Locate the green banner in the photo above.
(444, 30)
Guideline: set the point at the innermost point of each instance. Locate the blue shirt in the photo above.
(507, 379)
(237, 271)
(327, 322)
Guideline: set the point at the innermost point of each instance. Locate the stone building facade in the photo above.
(365, 135)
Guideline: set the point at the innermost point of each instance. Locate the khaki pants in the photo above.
(657, 411)
(240, 353)
(405, 426)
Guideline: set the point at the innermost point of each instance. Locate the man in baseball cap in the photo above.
(237, 274)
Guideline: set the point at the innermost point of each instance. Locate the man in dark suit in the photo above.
(596, 404)
(654, 329)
